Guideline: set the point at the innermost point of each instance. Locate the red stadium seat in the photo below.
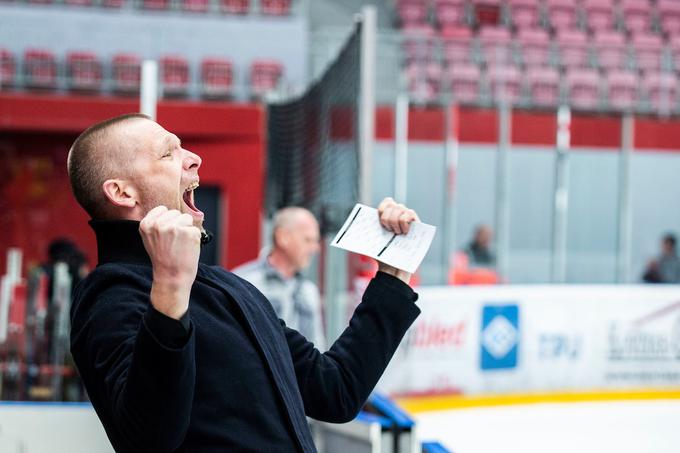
(424, 80)
(648, 51)
(7, 68)
(412, 12)
(573, 47)
(449, 13)
(562, 14)
(610, 47)
(113, 3)
(662, 91)
(156, 5)
(623, 89)
(197, 6)
(669, 16)
(235, 6)
(524, 13)
(265, 76)
(464, 82)
(418, 43)
(495, 44)
(599, 14)
(275, 7)
(40, 69)
(490, 36)
(174, 76)
(84, 71)
(125, 73)
(636, 15)
(487, 12)
(217, 77)
(583, 88)
(456, 45)
(544, 85)
(505, 83)
(78, 2)
(534, 46)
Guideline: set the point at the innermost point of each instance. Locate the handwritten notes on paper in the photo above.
(363, 234)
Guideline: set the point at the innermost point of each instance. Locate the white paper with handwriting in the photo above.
(363, 234)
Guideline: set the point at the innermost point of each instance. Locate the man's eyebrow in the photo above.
(172, 140)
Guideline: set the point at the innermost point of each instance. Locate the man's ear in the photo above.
(120, 193)
(281, 238)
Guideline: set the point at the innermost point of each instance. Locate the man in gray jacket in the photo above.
(277, 273)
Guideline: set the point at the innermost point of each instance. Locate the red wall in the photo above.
(36, 204)
(531, 127)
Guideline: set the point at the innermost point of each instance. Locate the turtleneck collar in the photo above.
(119, 241)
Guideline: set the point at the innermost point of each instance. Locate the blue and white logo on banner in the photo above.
(499, 338)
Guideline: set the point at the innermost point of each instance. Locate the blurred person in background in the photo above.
(474, 264)
(53, 348)
(666, 268)
(278, 274)
(63, 250)
(479, 250)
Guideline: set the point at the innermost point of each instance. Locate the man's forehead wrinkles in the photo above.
(170, 140)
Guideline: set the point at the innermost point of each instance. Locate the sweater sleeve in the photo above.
(138, 366)
(169, 332)
(335, 385)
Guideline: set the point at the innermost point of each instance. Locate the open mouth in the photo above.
(188, 197)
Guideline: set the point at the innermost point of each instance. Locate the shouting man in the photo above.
(177, 356)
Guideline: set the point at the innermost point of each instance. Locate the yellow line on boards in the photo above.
(449, 402)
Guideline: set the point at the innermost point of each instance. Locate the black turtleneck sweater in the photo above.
(229, 376)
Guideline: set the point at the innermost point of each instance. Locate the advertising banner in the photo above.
(508, 339)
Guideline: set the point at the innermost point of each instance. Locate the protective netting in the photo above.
(313, 157)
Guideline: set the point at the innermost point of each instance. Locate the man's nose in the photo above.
(191, 160)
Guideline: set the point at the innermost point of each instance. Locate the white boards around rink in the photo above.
(53, 428)
(478, 340)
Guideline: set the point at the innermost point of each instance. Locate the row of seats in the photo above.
(633, 16)
(534, 47)
(266, 7)
(85, 72)
(586, 89)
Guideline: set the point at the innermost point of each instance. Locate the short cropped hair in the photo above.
(670, 239)
(89, 164)
(286, 218)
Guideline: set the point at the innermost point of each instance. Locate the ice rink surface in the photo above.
(583, 427)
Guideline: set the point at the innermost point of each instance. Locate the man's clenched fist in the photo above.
(174, 245)
(395, 217)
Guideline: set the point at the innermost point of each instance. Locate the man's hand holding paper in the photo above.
(392, 234)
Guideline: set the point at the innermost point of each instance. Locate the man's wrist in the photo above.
(170, 298)
(391, 270)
